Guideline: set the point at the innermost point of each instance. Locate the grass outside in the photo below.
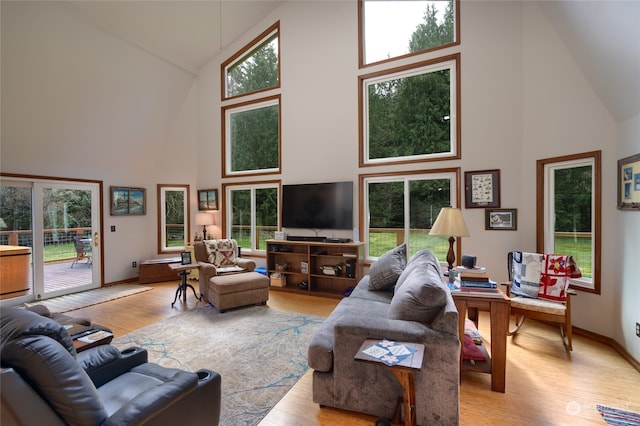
(579, 248)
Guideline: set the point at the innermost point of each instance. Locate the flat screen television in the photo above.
(318, 205)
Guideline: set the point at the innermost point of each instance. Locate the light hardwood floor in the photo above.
(545, 384)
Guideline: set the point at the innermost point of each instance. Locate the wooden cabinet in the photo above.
(303, 266)
(14, 271)
(157, 270)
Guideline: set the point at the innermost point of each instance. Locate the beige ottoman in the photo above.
(232, 290)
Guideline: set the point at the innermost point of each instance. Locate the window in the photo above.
(173, 218)
(401, 208)
(568, 217)
(251, 213)
(411, 114)
(251, 134)
(400, 28)
(254, 68)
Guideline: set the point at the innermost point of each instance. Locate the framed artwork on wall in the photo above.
(207, 199)
(629, 183)
(482, 189)
(501, 219)
(128, 201)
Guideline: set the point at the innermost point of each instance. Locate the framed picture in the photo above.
(501, 219)
(128, 201)
(629, 183)
(207, 199)
(186, 257)
(482, 189)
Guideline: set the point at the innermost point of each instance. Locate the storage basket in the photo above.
(278, 280)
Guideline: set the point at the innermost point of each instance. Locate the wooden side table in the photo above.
(183, 271)
(403, 371)
(498, 308)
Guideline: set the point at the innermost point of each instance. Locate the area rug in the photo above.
(83, 299)
(616, 416)
(259, 352)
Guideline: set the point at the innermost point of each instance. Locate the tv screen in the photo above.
(318, 205)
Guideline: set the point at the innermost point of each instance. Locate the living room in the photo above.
(80, 101)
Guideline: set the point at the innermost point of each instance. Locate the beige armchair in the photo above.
(226, 279)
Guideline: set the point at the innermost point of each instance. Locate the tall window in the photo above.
(173, 217)
(252, 213)
(251, 137)
(399, 28)
(401, 208)
(255, 67)
(569, 215)
(411, 114)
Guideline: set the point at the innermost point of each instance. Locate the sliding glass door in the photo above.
(59, 221)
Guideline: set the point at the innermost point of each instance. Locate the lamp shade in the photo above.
(204, 219)
(450, 223)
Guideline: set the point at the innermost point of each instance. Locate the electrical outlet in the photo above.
(134, 264)
(638, 329)
(113, 228)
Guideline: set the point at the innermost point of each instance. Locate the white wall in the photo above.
(563, 115)
(627, 294)
(80, 103)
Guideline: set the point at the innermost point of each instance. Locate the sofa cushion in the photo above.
(385, 271)
(421, 292)
(363, 291)
(222, 252)
(54, 373)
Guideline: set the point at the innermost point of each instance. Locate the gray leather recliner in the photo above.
(44, 381)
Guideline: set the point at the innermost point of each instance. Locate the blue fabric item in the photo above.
(262, 271)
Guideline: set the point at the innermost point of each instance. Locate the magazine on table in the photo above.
(388, 352)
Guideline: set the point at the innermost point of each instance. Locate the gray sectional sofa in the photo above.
(409, 303)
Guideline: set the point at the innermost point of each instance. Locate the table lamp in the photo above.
(204, 219)
(450, 222)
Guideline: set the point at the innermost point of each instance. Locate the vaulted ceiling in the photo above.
(603, 36)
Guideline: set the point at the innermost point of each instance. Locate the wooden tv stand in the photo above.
(315, 254)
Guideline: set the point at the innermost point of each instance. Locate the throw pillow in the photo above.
(385, 271)
(222, 252)
(422, 293)
(470, 350)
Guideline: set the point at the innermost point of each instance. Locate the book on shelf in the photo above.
(457, 288)
(478, 284)
(482, 277)
(475, 269)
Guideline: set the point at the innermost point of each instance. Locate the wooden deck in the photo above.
(61, 276)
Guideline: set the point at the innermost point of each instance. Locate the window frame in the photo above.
(453, 173)
(227, 222)
(246, 52)
(361, 38)
(162, 242)
(227, 152)
(451, 62)
(544, 194)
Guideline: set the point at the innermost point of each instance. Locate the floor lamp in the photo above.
(204, 219)
(450, 222)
